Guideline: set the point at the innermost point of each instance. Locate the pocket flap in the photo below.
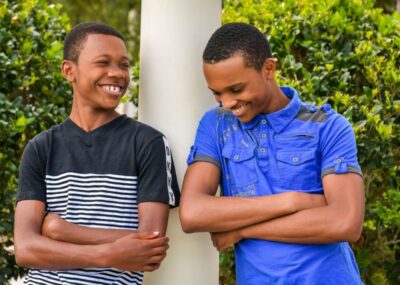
(238, 154)
(295, 157)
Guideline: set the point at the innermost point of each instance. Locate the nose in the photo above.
(227, 101)
(117, 72)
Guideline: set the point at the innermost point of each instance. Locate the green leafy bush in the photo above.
(33, 97)
(346, 53)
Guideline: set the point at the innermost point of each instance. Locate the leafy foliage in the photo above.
(33, 97)
(346, 53)
(121, 14)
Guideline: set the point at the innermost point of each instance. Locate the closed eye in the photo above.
(236, 89)
(101, 63)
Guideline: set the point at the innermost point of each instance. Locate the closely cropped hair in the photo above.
(77, 36)
(238, 38)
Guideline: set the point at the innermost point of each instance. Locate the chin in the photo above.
(245, 119)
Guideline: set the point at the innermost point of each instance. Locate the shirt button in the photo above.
(338, 160)
(264, 136)
(295, 159)
(262, 149)
(263, 122)
(236, 157)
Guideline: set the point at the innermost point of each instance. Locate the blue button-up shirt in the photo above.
(288, 150)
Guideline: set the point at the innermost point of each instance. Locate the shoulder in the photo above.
(323, 115)
(42, 140)
(142, 132)
(314, 114)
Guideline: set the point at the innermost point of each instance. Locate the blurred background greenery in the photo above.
(344, 52)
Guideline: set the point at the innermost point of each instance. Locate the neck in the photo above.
(88, 118)
(278, 100)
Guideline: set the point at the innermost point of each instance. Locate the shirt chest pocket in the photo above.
(241, 171)
(297, 169)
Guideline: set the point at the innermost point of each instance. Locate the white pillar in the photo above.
(173, 97)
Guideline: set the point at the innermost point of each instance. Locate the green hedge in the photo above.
(33, 97)
(346, 53)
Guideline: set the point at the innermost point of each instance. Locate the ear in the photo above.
(269, 68)
(68, 69)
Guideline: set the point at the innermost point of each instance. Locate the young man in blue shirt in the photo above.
(293, 192)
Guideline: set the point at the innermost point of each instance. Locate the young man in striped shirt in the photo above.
(94, 191)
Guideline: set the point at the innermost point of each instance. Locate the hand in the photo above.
(52, 226)
(142, 251)
(223, 240)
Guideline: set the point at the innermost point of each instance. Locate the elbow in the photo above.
(189, 220)
(353, 233)
(22, 255)
(350, 231)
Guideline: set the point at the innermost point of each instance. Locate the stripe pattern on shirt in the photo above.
(92, 200)
(168, 159)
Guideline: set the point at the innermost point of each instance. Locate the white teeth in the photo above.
(240, 109)
(112, 89)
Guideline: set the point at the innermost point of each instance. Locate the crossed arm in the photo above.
(61, 245)
(287, 217)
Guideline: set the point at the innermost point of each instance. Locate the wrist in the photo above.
(292, 202)
(241, 234)
(103, 256)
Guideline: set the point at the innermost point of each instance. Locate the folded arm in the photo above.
(140, 252)
(153, 217)
(340, 220)
(201, 210)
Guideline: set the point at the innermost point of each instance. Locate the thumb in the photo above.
(148, 235)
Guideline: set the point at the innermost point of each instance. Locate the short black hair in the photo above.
(78, 34)
(238, 38)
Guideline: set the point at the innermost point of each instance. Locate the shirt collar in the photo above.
(280, 119)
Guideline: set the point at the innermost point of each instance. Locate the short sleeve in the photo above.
(31, 181)
(338, 148)
(157, 180)
(205, 147)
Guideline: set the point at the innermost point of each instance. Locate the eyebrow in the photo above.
(108, 56)
(229, 87)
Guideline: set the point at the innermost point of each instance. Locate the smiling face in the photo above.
(100, 76)
(241, 89)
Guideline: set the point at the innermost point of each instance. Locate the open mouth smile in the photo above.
(113, 89)
(240, 110)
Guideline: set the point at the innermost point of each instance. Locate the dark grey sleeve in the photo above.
(157, 180)
(31, 181)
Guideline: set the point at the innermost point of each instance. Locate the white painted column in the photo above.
(173, 97)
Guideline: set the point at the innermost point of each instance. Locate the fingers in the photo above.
(157, 258)
(145, 235)
(151, 236)
(162, 250)
(150, 267)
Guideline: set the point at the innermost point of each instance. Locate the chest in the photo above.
(260, 161)
(92, 184)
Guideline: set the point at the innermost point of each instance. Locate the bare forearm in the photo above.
(91, 236)
(56, 228)
(317, 225)
(340, 220)
(229, 213)
(41, 252)
(201, 210)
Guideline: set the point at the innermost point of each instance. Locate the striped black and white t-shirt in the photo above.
(97, 179)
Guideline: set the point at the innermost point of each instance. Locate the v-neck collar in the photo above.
(89, 137)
